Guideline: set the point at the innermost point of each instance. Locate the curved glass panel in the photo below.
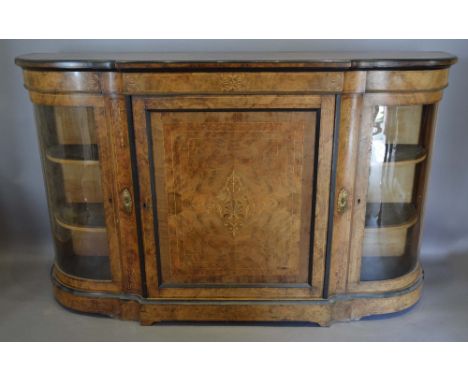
(392, 212)
(70, 155)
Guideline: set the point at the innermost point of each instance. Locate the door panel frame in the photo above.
(325, 108)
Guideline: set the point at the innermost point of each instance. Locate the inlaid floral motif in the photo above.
(232, 204)
(231, 82)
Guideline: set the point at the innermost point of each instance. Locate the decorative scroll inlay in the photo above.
(232, 204)
(231, 82)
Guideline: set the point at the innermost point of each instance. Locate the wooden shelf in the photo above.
(84, 217)
(390, 215)
(86, 225)
(401, 154)
(88, 267)
(71, 154)
(80, 172)
(386, 230)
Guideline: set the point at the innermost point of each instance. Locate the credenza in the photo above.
(236, 186)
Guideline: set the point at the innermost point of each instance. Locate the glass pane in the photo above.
(70, 156)
(392, 216)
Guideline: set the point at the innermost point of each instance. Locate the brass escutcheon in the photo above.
(127, 201)
(342, 202)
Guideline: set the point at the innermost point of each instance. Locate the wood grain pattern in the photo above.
(245, 101)
(398, 81)
(323, 313)
(116, 115)
(108, 191)
(324, 175)
(354, 82)
(73, 99)
(346, 173)
(61, 82)
(354, 309)
(358, 218)
(231, 82)
(398, 283)
(234, 192)
(403, 99)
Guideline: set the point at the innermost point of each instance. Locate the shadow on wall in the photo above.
(23, 209)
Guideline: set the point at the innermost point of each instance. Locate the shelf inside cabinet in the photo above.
(87, 267)
(390, 215)
(68, 154)
(400, 154)
(84, 225)
(76, 171)
(387, 228)
(82, 216)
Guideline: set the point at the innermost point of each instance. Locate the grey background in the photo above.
(25, 239)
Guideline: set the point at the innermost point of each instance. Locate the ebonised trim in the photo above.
(317, 148)
(331, 204)
(136, 192)
(234, 285)
(189, 61)
(154, 200)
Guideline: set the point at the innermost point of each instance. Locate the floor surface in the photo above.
(28, 312)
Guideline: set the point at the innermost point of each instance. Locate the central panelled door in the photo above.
(234, 194)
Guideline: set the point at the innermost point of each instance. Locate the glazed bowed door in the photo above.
(233, 194)
(395, 141)
(76, 156)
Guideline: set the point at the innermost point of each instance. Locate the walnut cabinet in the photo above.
(237, 186)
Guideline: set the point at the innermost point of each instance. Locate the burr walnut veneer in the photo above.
(237, 186)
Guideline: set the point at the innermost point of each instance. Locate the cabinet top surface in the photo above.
(236, 60)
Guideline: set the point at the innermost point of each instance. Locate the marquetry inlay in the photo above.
(235, 194)
(231, 82)
(233, 204)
